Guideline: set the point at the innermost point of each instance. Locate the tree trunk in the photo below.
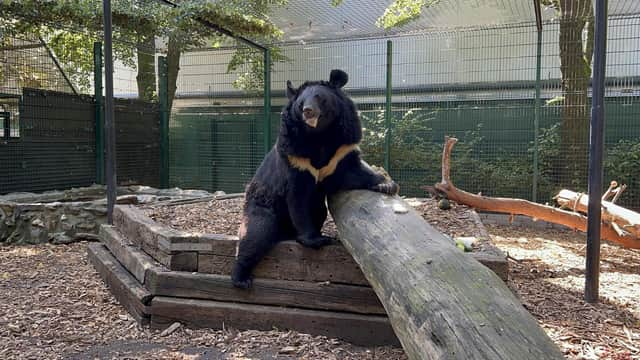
(173, 65)
(575, 65)
(442, 304)
(146, 78)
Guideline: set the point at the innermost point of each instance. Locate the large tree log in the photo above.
(551, 214)
(442, 303)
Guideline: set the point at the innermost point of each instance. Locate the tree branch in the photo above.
(551, 214)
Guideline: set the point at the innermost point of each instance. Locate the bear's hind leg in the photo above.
(259, 235)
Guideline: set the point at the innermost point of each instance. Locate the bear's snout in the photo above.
(310, 115)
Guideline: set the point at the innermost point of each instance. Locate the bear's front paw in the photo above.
(315, 242)
(241, 280)
(389, 188)
(242, 284)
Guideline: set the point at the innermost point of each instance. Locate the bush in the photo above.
(622, 163)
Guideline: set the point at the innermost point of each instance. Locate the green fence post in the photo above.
(267, 101)
(387, 109)
(163, 97)
(99, 131)
(536, 119)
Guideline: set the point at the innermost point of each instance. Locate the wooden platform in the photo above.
(215, 254)
(162, 276)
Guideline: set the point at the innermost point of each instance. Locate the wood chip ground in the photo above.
(53, 305)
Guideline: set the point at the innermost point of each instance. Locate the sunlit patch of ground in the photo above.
(547, 272)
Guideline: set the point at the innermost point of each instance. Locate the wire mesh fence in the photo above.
(477, 84)
(49, 112)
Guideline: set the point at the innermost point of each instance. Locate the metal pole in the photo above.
(6, 119)
(267, 100)
(163, 95)
(536, 120)
(387, 109)
(97, 81)
(108, 113)
(596, 146)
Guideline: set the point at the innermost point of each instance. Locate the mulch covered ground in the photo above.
(547, 273)
(53, 305)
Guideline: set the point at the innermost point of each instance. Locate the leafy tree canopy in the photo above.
(402, 12)
(71, 26)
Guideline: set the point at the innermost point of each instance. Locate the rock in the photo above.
(127, 199)
(62, 217)
(61, 239)
(444, 204)
(398, 208)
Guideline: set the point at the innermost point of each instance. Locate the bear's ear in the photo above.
(291, 91)
(338, 78)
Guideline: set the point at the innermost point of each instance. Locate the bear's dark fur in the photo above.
(315, 155)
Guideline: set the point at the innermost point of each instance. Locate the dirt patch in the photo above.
(547, 272)
(55, 306)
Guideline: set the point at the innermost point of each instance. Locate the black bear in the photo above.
(316, 154)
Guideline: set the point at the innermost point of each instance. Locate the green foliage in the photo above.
(416, 156)
(549, 158)
(74, 51)
(71, 26)
(410, 147)
(336, 3)
(401, 12)
(248, 64)
(622, 163)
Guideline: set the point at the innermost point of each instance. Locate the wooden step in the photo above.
(136, 261)
(365, 330)
(300, 294)
(289, 260)
(156, 239)
(126, 289)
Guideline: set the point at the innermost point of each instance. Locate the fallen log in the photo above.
(442, 304)
(511, 206)
(623, 220)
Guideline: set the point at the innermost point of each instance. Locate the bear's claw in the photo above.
(242, 284)
(389, 188)
(315, 242)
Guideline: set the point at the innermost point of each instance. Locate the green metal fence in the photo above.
(50, 115)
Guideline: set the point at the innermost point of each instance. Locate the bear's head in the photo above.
(320, 111)
(318, 104)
